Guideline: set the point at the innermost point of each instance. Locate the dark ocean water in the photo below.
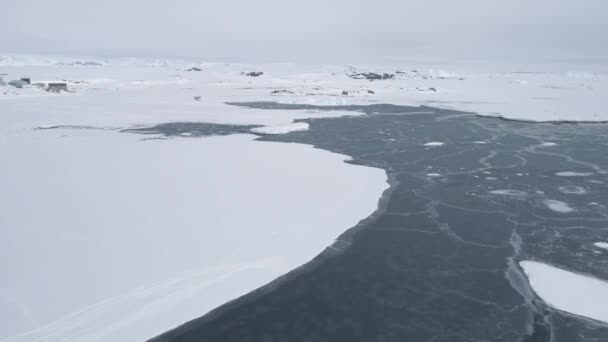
(438, 261)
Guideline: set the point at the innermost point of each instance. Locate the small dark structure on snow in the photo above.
(253, 73)
(371, 76)
(26, 80)
(57, 87)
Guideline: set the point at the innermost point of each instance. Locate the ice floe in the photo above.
(558, 206)
(573, 190)
(573, 174)
(508, 192)
(281, 129)
(434, 144)
(568, 291)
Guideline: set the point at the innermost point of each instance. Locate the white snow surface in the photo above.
(110, 236)
(568, 291)
(107, 237)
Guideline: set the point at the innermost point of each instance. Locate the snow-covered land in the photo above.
(547, 92)
(568, 291)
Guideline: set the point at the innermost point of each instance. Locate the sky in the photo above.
(287, 30)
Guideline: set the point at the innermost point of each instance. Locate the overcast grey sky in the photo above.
(306, 29)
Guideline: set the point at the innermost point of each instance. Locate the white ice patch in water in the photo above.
(480, 142)
(281, 129)
(603, 245)
(557, 286)
(573, 174)
(548, 144)
(434, 144)
(508, 192)
(572, 190)
(558, 206)
(433, 175)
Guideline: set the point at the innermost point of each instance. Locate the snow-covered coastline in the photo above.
(535, 92)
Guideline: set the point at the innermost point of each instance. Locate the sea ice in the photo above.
(281, 129)
(573, 190)
(573, 174)
(603, 245)
(558, 206)
(434, 144)
(133, 237)
(509, 192)
(568, 291)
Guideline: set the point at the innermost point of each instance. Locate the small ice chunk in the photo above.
(434, 144)
(479, 142)
(572, 190)
(558, 206)
(281, 129)
(603, 245)
(508, 192)
(573, 174)
(557, 286)
(548, 144)
(433, 175)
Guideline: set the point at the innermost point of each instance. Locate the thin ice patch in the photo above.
(558, 206)
(573, 174)
(572, 190)
(434, 144)
(508, 192)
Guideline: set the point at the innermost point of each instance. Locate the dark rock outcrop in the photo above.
(371, 76)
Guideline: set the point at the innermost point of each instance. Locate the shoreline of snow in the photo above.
(568, 291)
